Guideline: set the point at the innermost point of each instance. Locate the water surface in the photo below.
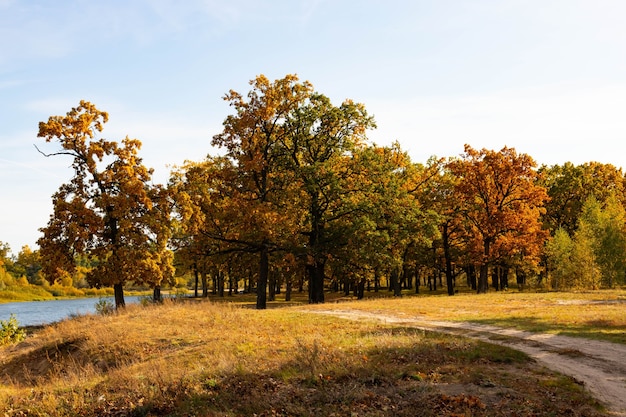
(34, 313)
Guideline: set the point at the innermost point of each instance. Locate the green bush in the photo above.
(105, 307)
(10, 331)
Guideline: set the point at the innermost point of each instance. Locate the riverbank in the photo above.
(37, 313)
(30, 292)
(21, 293)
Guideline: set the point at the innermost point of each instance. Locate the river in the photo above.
(34, 313)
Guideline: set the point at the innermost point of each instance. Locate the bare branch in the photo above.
(47, 155)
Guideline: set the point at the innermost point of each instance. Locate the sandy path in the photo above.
(599, 366)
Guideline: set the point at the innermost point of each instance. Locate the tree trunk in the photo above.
(470, 272)
(361, 289)
(261, 288)
(376, 280)
(195, 274)
(118, 290)
(446, 254)
(271, 286)
(205, 284)
(395, 282)
(280, 277)
(504, 277)
(520, 276)
(288, 290)
(346, 286)
(483, 278)
(316, 282)
(156, 294)
(495, 277)
(417, 280)
(408, 277)
(220, 283)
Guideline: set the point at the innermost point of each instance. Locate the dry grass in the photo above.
(220, 360)
(597, 315)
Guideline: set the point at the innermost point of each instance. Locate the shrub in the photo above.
(10, 331)
(105, 307)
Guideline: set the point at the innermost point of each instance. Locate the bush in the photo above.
(10, 331)
(105, 307)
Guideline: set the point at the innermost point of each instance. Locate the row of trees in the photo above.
(298, 194)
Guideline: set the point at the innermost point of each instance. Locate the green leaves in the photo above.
(10, 332)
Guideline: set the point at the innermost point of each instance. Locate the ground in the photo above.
(599, 366)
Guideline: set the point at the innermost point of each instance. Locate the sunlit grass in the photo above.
(598, 314)
(205, 358)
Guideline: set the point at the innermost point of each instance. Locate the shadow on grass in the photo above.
(425, 374)
(397, 372)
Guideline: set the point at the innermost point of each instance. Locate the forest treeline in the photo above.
(298, 198)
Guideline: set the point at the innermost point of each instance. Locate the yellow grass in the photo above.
(204, 358)
(597, 314)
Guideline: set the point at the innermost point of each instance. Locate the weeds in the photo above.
(104, 307)
(10, 331)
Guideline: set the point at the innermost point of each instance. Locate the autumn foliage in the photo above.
(108, 212)
(299, 198)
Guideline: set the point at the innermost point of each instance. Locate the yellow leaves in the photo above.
(111, 214)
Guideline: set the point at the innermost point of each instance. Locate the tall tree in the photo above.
(441, 197)
(108, 212)
(502, 202)
(252, 138)
(318, 148)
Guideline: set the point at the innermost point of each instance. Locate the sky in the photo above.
(546, 77)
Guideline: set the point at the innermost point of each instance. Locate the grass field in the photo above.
(596, 314)
(220, 359)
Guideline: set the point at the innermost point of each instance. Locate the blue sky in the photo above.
(547, 77)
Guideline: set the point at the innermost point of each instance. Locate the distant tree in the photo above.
(440, 196)
(559, 251)
(601, 233)
(586, 271)
(251, 138)
(502, 202)
(5, 258)
(28, 264)
(611, 243)
(109, 212)
(569, 186)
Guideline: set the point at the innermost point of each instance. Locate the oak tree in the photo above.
(258, 188)
(318, 150)
(502, 202)
(108, 212)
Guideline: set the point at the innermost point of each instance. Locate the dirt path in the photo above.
(599, 366)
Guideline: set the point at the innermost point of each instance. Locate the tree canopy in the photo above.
(298, 194)
(108, 211)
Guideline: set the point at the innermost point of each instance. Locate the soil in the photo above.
(599, 366)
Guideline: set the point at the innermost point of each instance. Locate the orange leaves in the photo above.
(73, 130)
(502, 200)
(108, 211)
